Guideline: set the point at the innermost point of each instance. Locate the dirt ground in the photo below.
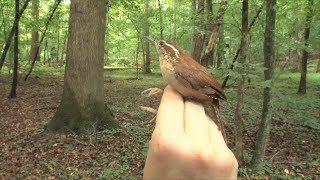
(27, 151)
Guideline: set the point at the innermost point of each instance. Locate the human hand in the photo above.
(186, 144)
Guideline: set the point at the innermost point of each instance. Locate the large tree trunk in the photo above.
(269, 54)
(239, 130)
(35, 32)
(198, 35)
(82, 108)
(147, 66)
(8, 41)
(304, 62)
(13, 92)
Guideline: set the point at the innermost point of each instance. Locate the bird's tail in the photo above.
(217, 119)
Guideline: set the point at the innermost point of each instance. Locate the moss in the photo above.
(71, 117)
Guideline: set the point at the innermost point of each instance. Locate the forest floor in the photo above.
(28, 151)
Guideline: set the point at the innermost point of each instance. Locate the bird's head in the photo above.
(166, 50)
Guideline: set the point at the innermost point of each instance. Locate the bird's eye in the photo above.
(161, 43)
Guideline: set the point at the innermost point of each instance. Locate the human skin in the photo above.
(186, 144)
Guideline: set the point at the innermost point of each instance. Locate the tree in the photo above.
(146, 29)
(220, 48)
(35, 32)
(304, 62)
(13, 92)
(217, 22)
(12, 32)
(198, 35)
(224, 83)
(82, 106)
(37, 48)
(239, 130)
(269, 53)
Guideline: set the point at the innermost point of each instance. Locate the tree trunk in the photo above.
(198, 36)
(210, 60)
(239, 130)
(304, 62)
(217, 22)
(221, 48)
(160, 18)
(42, 38)
(8, 41)
(35, 32)
(58, 38)
(269, 54)
(82, 108)
(45, 51)
(13, 92)
(318, 67)
(225, 81)
(3, 24)
(147, 65)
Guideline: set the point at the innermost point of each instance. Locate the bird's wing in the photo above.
(196, 76)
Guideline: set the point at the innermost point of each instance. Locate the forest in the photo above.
(81, 82)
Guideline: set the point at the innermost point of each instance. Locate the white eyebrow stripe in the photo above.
(175, 50)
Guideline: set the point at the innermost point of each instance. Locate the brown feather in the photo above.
(195, 75)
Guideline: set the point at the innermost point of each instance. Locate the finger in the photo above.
(196, 121)
(170, 113)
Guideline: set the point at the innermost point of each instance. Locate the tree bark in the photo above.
(3, 24)
(35, 32)
(209, 24)
(225, 81)
(82, 108)
(269, 54)
(304, 62)
(42, 38)
(318, 67)
(45, 52)
(8, 41)
(221, 48)
(239, 130)
(147, 65)
(58, 38)
(199, 35)
(218, 20)
(13, 92)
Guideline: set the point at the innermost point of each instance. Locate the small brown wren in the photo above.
(189, 78)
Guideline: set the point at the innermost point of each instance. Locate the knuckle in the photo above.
(225, 160)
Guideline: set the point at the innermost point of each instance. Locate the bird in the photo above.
(189, 78)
